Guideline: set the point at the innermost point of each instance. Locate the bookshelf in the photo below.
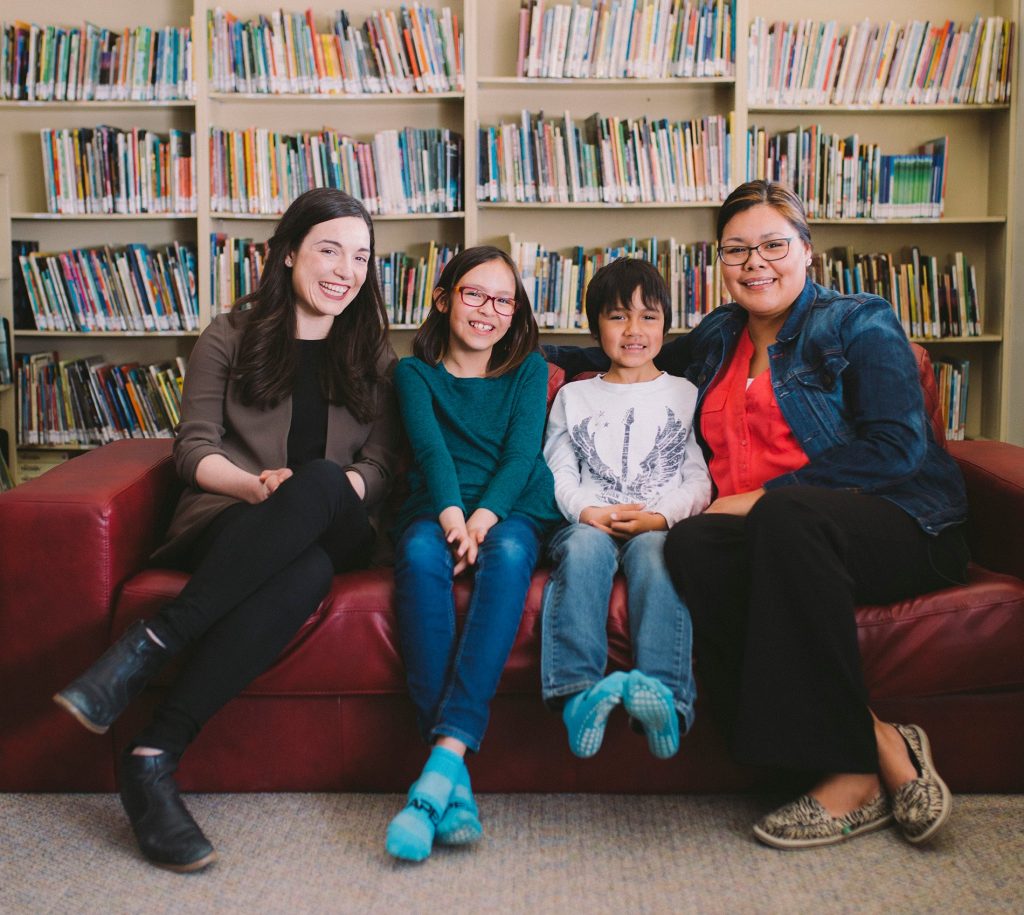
(980, 207)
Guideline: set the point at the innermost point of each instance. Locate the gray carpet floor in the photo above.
(580, 854)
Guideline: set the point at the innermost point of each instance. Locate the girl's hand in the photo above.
(270, 480)
(738, 504)
(463, 546)
(479, 523)
(602, 516)
(358, 483)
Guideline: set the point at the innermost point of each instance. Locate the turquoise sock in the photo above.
(410, 834)
(586, 714)
(650, 702)
(460, 824)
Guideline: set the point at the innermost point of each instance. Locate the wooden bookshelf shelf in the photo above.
(692, 205)
(111, 334)
(335, 98)
(523, 82)
(874, 109)
(102, 217)
(388, 217)
(97, 104)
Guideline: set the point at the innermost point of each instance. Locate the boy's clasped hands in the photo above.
(624, 520)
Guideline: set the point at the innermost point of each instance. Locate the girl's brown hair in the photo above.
(266, 365)
(778, 196)
(432, 339)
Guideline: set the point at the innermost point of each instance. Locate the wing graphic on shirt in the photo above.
(662, 462)
(586, 453)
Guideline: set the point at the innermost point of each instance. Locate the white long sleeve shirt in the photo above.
(608, 444)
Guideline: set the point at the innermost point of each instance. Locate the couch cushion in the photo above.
(951, 641)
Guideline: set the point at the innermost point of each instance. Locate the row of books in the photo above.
(952, 378)
(604, 160)
(844, 178)
(641, 39)
(406, 280)
(90, 401)
(416, 49)
(413, 170)
(129, 288)
(91, 63)
(113, 170)
(557, 283)
(919, 63)
(931, 299)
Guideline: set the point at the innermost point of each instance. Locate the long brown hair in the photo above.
(433, 338)
(778, 196)
(265, 370)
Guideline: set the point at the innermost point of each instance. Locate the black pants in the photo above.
(259, 572)
(772, 597)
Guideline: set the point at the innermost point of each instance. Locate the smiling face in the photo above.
(477, 330)
(765, 289)
(631, 337)
(328, 270)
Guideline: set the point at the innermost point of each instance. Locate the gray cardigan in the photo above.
(215, 421)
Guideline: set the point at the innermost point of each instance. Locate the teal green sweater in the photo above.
(476, 441)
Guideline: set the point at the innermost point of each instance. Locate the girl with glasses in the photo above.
(473, 399)
(831, 492)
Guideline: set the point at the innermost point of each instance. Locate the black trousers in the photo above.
(772, 597)
(259, 572)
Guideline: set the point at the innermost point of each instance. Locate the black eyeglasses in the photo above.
(475, 298)
(775, 249)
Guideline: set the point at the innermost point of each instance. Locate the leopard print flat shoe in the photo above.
(804, 823)
(922, 805)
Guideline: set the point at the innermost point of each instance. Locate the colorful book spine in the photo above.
(90, 63)
(605, 160)
(128, 288)
(88, 401)
(932, 300)
(626, 39)
(840, 177)
(416, 50)
(922, 62)
(398, 171)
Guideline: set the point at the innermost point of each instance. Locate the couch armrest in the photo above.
(994, 473)
(70, 538)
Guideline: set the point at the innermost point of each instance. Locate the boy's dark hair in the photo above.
(614, 284)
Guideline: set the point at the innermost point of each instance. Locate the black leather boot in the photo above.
(165, 830)
(99, 695)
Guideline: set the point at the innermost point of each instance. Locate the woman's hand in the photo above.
(271, 479)
(738, 504)
(358, 483)
(463, 546)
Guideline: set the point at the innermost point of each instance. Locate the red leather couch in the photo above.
(332, 713)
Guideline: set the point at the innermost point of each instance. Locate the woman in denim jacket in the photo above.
(831, 491)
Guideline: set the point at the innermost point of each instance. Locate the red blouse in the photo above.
(750, 440)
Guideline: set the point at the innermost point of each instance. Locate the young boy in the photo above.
(627, 467)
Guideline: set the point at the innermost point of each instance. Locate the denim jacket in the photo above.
(846, 383)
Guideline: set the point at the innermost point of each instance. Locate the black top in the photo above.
(307, 435)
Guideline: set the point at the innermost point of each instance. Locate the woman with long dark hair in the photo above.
(288, 441)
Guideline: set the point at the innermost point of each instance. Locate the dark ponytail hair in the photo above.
(266, 365)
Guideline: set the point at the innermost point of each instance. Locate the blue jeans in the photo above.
(452, 678)
(574, 646)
